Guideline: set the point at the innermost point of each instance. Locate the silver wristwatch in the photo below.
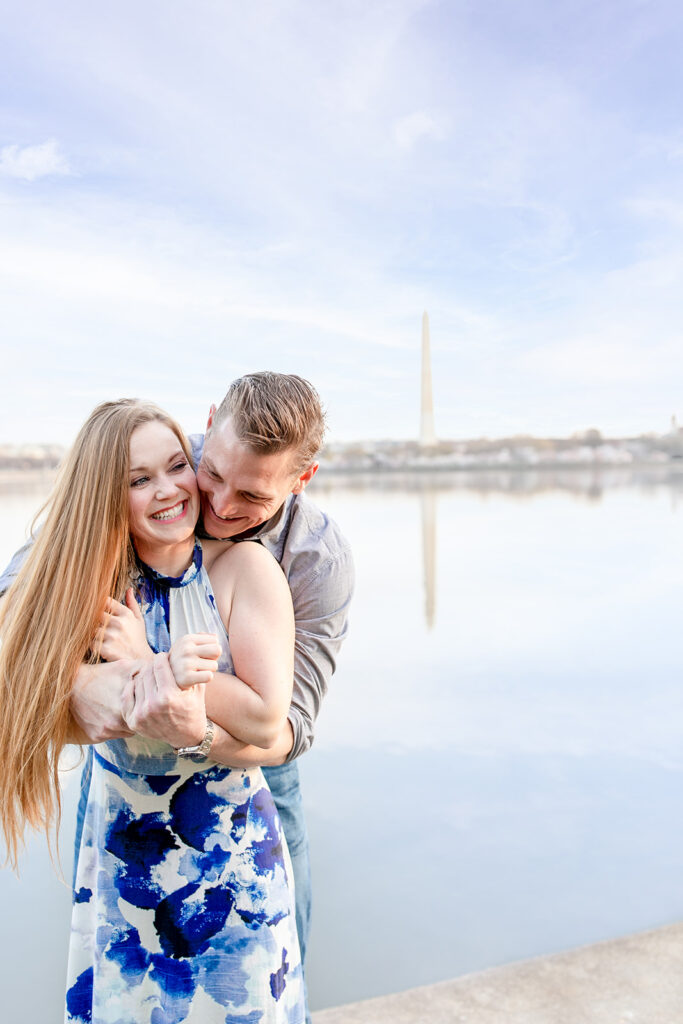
(200, 752)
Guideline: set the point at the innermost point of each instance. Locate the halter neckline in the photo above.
(190, 573)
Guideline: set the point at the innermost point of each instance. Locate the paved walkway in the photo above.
(635, 980)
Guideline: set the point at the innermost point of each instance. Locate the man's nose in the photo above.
(223, 502)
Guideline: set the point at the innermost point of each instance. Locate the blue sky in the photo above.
(189, 191)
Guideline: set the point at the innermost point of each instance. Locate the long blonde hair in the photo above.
(82, 555)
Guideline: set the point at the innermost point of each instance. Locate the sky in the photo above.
(191, 191)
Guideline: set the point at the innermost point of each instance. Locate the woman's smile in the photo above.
(171, 513)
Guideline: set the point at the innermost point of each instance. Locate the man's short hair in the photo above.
(272, 412)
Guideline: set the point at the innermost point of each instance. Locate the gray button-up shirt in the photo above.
(316, 560)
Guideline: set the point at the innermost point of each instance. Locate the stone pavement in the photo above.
(633, 980)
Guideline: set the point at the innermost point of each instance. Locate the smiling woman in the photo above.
(164, 501)
(183, 904)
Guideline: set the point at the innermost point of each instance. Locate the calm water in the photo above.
(498, 765)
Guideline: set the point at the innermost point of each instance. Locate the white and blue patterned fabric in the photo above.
(183, 904)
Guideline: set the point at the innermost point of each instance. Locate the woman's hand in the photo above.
(194, 658)
(153, 705)
(122, 635)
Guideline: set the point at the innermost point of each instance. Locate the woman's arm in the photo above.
(254, 601)
(233, 752)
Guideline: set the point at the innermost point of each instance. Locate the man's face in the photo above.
(240, 489)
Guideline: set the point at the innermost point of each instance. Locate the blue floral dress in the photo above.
(183, 905)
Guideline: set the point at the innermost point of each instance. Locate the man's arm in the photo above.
(321, 610)
(11, 571)
(96, 701)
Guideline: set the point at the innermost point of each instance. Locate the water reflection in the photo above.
(428, 508)
(503, 784)
(586, 482)
(497, 766)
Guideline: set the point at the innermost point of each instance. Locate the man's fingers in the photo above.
(128, 701)
(139, 689)
(162, 672)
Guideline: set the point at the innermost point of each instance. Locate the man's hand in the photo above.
(194, 658)
(96, 700)
(122, 634)
(155, 706)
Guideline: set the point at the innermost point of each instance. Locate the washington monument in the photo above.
(427, 432)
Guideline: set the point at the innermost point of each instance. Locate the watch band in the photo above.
(201, 750)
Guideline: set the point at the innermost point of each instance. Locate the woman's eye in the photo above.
(181, 465)
(139, 480)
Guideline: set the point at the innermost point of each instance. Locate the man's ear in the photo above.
(212, 413)
(305, 478)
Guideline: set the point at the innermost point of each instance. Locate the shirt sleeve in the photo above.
(11, 571)
(321, 610)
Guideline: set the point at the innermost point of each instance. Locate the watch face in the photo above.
(201, 750)
(194, 754)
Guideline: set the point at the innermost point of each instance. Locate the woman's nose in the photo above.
(165, 487)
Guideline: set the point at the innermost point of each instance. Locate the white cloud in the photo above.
(419, 125)
(32, 162)
(659, 210)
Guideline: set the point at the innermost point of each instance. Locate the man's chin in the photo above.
(218, 530)
(220, 533)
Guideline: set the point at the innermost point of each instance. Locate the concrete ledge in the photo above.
(634, 980)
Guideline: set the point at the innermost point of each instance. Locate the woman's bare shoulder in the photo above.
(212, 550)
(246, 553)
(246, 559)
(247, 568)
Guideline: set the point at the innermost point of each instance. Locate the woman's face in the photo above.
(164, 501)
